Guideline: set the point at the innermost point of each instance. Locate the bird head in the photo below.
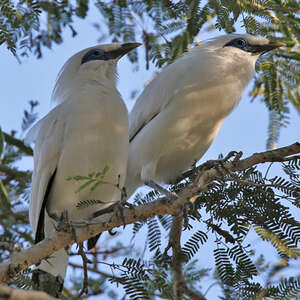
(252, 45)
(98, 62)
(239, 50)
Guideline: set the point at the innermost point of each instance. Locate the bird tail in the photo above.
(50, 273)
(56, 264)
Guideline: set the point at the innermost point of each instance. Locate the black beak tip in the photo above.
(130, 46)
(275, 45)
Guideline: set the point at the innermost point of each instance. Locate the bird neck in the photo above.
(102, 75)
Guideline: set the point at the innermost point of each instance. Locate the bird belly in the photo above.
(92, 144)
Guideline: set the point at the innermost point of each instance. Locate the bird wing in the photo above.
(49, 134)
(156, 96)
(147, 107)
(32, 134)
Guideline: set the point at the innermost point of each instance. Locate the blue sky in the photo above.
(244, 130)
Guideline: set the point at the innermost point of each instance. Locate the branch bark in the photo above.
(22, 260)
(8, 293)
(180, 287)
(179, 283)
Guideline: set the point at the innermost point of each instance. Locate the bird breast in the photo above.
(96, 136)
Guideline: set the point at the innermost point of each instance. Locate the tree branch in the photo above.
(18, 143)
(178, 278)
(14, 173)
(9, 293)
(94, 270)
(259, 7)
(180, 287)
(21, 260)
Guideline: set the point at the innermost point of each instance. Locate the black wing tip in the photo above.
(91, 243)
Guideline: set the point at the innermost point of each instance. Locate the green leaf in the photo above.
(83, 186)
(95, 185)
(91, 175)
(102, 173)
(78, 177)
(3, 192)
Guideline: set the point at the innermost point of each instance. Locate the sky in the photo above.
(244, 130)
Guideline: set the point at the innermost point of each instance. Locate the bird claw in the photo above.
(117, 208)
(219, 164)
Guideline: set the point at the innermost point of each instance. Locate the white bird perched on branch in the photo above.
(87, 132)
(180, 112)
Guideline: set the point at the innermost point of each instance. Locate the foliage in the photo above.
(21, 23)
(232, 210)
(244, 204)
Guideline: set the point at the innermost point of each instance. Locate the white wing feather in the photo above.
(159, 93)
(48, 134)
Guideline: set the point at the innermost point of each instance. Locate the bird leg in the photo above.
(117, 208)
(161, 189)
(64, 224)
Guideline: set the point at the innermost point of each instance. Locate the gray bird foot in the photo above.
(64, 224)
(117, 208)
(219, 164)
(161, 189)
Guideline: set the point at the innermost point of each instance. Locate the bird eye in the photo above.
(97, 52)
(241, 43)
(94, 54)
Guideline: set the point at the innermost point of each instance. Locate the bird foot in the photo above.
(117, 208)
(161, 189)
(219, 164)
(64, 224)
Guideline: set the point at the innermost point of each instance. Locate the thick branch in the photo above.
(33, 255)
(9, 293)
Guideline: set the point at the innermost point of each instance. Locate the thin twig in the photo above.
(178, 278)
(283, 9)
(276, 186)
(96, 271)
(258, 7)
(18, 143)
(179, 283)
(85, 261)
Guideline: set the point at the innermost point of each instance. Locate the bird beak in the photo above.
(124, 49)
(271, 46)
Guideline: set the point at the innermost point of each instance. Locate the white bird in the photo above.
(85, 133)
(181, 111)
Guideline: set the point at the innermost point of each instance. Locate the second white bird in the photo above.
(180, 112)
